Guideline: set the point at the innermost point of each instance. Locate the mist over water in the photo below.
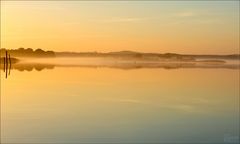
(63, 61)
(97, 60)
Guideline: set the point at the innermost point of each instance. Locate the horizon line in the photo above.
(34, 49)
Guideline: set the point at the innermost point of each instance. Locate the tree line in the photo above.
(28, 52)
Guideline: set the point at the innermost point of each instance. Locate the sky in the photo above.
(190, 27)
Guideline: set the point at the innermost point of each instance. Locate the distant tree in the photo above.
(29, 50)
(39, 50)
(2, 51)
(21, 49)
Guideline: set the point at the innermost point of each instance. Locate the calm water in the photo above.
(99, 105)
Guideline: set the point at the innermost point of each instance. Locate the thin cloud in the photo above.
(198, 17)
(122, 20)
(185, 14)
(133, 101)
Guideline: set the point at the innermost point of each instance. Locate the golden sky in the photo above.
(199, 27)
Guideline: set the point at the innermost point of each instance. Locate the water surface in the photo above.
(111, 105)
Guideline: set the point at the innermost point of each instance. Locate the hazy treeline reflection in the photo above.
(159, 66)
(126, 66)
(30, 66)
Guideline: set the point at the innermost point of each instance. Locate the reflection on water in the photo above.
(41, 64)
(32, 66)
(25, 67)
(111, 105)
